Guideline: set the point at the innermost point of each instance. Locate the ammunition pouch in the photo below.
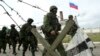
(43, 29)
(58, 27)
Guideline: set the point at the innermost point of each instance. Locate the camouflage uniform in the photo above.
(14, 35)
(28, 37)
(8, 38)
(51, 24)
(74, 28)
(3, 39)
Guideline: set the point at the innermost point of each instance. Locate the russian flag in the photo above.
(72, 5)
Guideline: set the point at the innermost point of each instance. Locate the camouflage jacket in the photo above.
(25, 30)
(73, 29)
(2, 35)
(51, 22)
(14, 33)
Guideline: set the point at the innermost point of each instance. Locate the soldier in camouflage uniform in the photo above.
(28, 37)
(3, 40)
(50, 28)
(74, 28)
(8, 38)
(14, 36)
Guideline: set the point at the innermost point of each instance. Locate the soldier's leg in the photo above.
(29, 47)
(61, 50)
(0, 49)
(36, 43)
(32, 46)
(14, 47)
(0, 46)
(25, 46)
(44, 52)
(9, 46)
(4, 47)
(9, 42)
(20, 43)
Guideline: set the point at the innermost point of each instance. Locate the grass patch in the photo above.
(66, 39)
(93, 36)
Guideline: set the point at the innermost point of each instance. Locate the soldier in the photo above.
(3, 40)
(14, 35)
(74, 28)
(51, 28)
(8, 38)
(28, 37)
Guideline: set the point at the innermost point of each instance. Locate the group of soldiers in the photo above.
(24, 36)
(50, 28)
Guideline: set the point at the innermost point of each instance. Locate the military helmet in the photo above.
(12, 25)
(70, 16)
(30, 20)
(4, 28)
(53, 7)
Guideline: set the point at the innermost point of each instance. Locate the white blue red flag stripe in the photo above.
(72, 5)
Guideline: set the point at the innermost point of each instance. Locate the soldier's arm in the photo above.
(17, 33)
(46, 22)
(22, 30)
(73, 29)
(75, 26)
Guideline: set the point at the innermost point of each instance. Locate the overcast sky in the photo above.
(88, 10)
